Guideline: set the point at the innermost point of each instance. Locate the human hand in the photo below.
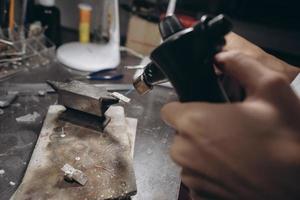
(235, 42)
(245, 150)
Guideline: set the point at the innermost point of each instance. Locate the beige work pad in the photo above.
(105, 158)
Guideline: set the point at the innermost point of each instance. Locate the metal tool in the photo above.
(171, 7)
(10, 60)
(8, 74)
(186, 59)
(24, 89)
(86, 104)
(134, 67)
(6, 42)
(22, 25)
(11, 54)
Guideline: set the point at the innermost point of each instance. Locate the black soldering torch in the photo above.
(186, 59)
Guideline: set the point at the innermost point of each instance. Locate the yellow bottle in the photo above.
(85, 11)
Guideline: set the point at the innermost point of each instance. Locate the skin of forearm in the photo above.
(238, 43)
(288, 70)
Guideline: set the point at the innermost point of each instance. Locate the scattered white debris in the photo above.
(1, 112)
(164, 141)
(29, 118)
(74, 174)
(77, 158)
(42, 93)
(62, 132)
(149, 151)
(16, 105)
(2, 171)
(123, 184)
(35, 98)
(121, 97)
(12, 183)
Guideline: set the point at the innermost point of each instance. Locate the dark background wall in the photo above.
(272, 24)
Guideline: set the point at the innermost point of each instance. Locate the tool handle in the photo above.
(187, 59)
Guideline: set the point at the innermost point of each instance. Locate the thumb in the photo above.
(246, 70)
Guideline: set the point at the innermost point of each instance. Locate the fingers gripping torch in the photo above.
(186, 59)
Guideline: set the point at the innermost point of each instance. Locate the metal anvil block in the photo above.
(83, 97)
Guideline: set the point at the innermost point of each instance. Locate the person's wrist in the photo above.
(293, 72)
(289, 71)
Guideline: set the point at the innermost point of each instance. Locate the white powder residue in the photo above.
(29, 118)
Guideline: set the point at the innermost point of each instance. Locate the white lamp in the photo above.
(92, 57)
